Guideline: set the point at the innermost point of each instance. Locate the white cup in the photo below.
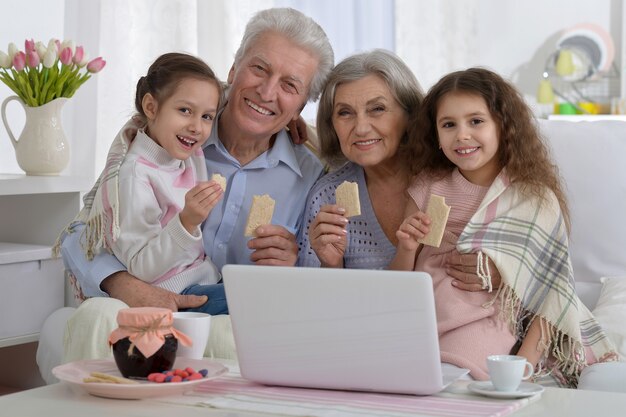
(508, 371)
(196, 326)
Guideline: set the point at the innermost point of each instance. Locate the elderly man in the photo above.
(282, 62)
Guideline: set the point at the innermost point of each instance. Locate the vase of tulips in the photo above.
(43, 79)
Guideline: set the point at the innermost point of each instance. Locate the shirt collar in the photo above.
(282, 151)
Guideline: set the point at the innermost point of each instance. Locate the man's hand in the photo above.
(274, 245)
(462, 267)
(136, 293)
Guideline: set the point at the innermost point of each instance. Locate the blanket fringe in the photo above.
(95, 237)
(483, 272)
(56, 247)
(563, 356)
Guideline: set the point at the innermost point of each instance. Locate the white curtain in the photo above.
(133, 33)
(351, 26)
(436, 37)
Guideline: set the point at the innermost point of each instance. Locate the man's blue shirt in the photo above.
(285, 172)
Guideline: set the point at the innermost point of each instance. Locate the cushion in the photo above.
(221, 341)
(610, 311)
(87, 330)
(50, 347)
(606, 376)
(590, 159)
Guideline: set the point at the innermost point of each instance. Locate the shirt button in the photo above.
(271, 161)
(221, 246)
(233, 207)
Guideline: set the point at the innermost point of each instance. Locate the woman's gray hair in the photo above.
(298, 28)
(379, 62)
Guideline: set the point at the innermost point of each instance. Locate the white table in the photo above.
(62, 400)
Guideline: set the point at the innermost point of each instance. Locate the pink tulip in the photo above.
(66, 56)
(84, 61)
(19, 61)
(29, 45)
(78, 55)
(32, 59)
(58, 45)
(96, 65)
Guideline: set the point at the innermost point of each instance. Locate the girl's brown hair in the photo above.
(167, 72)
(521, 148)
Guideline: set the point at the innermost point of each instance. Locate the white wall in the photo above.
(511, 37)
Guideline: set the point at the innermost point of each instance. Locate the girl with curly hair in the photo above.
(478, 146)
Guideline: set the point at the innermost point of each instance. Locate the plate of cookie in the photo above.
(100, 377)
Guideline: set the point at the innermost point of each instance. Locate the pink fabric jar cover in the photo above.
(146, 328)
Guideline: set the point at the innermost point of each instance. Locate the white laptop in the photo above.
(348, 329)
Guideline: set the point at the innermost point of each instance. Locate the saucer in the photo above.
(525, 389)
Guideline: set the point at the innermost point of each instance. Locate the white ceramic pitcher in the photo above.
(42, 148)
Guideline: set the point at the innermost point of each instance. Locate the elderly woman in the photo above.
(362, 123)
(362, 119)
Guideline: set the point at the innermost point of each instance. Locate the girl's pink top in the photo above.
(146, 328)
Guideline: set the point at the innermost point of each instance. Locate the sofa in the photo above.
(590, 159)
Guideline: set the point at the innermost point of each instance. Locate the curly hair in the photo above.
(521, 148)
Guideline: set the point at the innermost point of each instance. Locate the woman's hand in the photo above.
(416, 226)
(297, 131)
(328, 235)
(199, 201)
(273, 245)
(462, 267)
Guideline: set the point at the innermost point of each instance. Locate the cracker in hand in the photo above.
(347, 196)
(218, 178)
(438, 212)
(261, 212)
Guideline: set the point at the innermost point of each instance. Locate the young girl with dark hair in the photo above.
(148, 208)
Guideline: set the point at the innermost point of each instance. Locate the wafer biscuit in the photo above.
(347, 196)
(438, 212)
(261, 212)
(107, 379)
(218, 178)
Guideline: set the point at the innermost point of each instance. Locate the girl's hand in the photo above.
(414, 227)
(199, 201)
(328, 235)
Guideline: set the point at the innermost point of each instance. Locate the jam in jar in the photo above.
(145, 341)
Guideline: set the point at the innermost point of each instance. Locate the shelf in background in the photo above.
(587, 117)
(19, 252)
(16, 184)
